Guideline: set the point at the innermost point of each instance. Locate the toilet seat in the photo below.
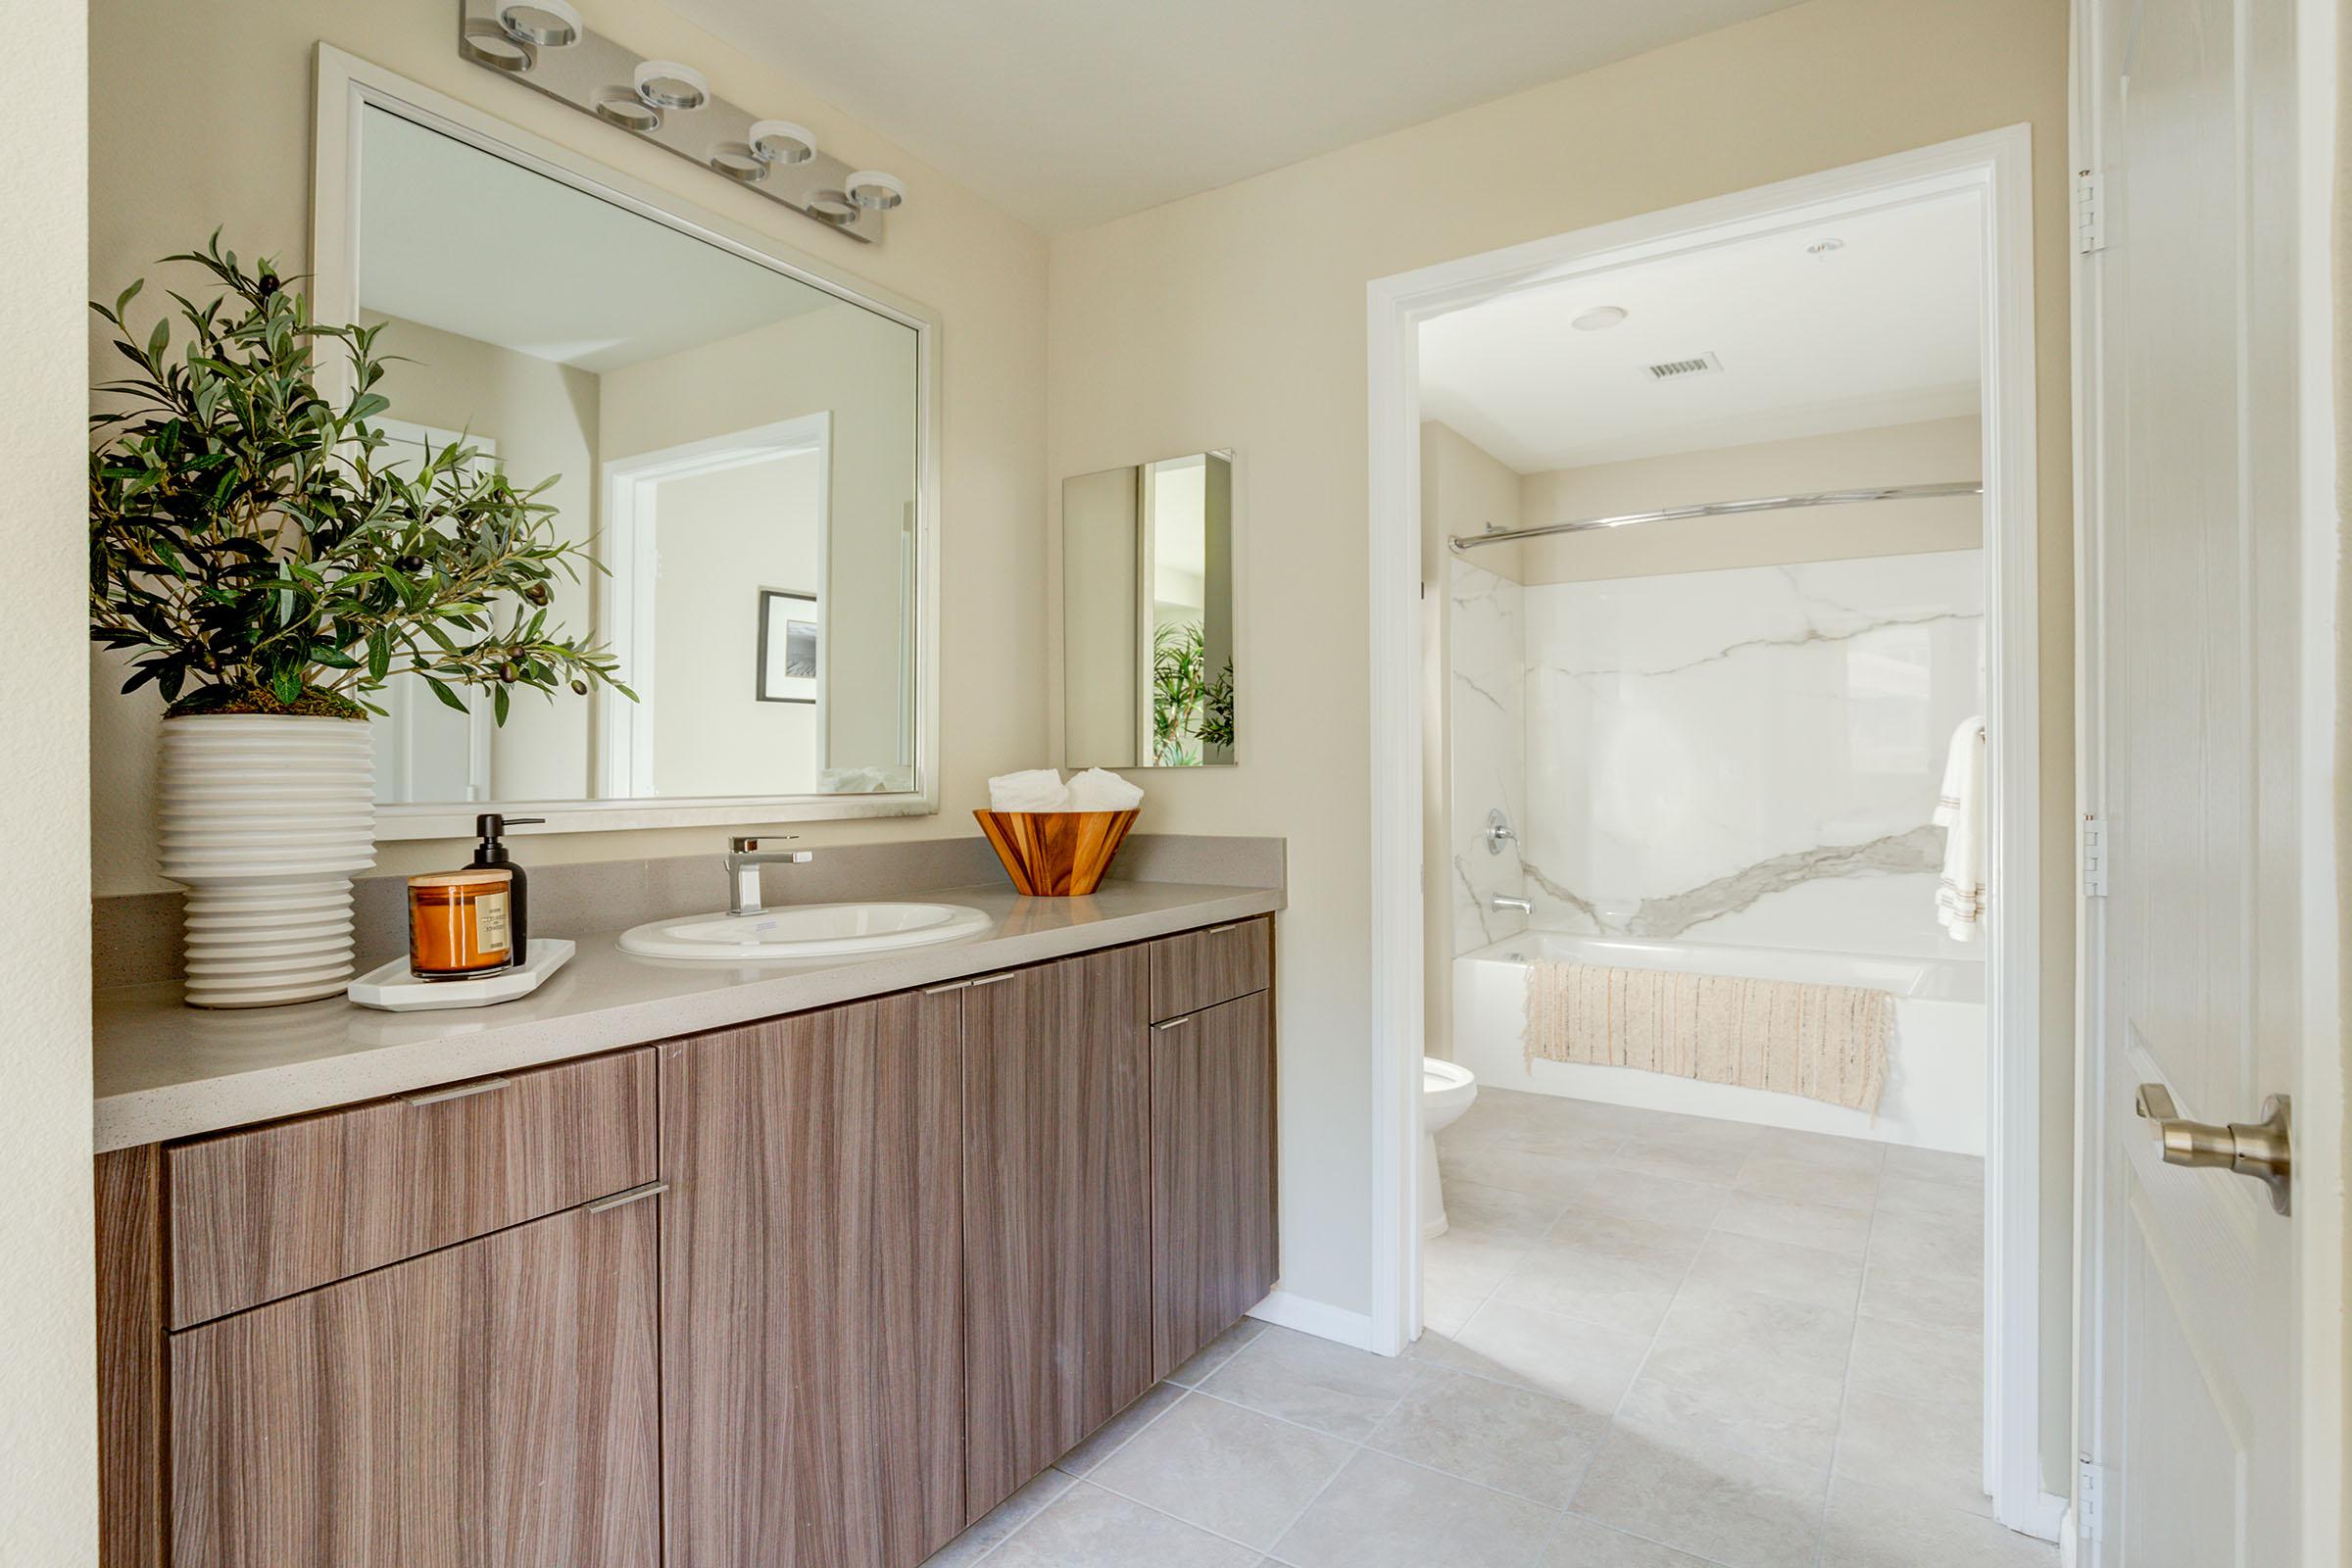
(1446, 1090)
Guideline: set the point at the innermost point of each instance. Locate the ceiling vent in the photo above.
(1676, 369)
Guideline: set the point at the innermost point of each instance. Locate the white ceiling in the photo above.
(1068, 112)
(1881, 331)
(453, 237)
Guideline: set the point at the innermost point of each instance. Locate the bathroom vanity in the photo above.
(816, 1288)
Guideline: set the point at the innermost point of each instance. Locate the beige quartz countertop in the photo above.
(168, 1070)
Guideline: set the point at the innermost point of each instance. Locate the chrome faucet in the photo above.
(1501, 902)
(745, 858)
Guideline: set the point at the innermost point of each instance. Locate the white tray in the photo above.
(392, 988)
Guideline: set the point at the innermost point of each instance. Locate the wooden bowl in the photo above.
(1056, 855)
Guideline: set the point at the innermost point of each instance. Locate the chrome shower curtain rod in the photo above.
(1722, 509)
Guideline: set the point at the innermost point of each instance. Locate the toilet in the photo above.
(1446, 1090)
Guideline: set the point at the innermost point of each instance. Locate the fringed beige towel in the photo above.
(1824, 1042)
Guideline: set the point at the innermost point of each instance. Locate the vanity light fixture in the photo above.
(1599, 319)
(782, 141)
(546, 46)
(484, 43)
(739, 161)
(668, 85)
(832, 206)
(621, 107)
(874, 190)
(542, 24)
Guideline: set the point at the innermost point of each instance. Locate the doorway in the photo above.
(1987, 180)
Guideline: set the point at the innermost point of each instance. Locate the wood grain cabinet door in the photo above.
(811, 1263)
(494, 1405)
(1212, 1174)
(1058, 1217)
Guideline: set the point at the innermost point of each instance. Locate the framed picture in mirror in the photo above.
(788, 643)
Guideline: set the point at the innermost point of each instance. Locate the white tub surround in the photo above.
(1935, 1092)
(1485, 688)
(1748, 756)
(266, 818)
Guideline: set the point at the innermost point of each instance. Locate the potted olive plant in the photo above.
(266, 567)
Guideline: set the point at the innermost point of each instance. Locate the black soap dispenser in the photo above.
(492, 851)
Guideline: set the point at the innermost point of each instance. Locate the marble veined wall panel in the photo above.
(1748, 755)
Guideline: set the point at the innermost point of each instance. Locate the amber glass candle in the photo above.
(458, 923)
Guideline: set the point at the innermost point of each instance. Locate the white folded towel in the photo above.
(1960, 897)
(1038, 789)
(1099, 790)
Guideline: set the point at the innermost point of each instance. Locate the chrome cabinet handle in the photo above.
(991, 980)
(480, 1086)
(1172, 1023)
(633, 1195)
(2263, 1150)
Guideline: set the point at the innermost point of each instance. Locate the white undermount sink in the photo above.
(802, 931)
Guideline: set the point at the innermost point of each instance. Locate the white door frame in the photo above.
(624, 730)
(1997, 166)
(2319, 1146)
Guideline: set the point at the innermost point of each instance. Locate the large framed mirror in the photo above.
(1147, 615)
(743, 441)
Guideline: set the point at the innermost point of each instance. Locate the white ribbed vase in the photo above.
(265, 817)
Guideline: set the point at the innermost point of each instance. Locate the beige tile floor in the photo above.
(1654, 1341)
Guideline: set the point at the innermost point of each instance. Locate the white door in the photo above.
(2198, 734)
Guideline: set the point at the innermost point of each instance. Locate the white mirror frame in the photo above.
(347, 87)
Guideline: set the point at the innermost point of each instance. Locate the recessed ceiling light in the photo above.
(1823, 247)
(1599, 319)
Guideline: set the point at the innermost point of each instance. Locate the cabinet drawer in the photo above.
(1202, 969)
(263, 1212)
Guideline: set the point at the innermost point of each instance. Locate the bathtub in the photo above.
(1936, 1069)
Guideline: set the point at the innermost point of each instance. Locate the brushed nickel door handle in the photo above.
(634, 1194)
(480, 1086)
(2263, 1150)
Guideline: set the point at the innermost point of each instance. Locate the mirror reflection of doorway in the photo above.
(718, 711)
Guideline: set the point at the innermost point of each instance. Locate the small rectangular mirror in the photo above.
(1147, 646)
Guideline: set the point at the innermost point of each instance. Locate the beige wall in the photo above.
(1464, 489)
(1931, 451)
(48, 1400)
(1236, 318)
(246, 168)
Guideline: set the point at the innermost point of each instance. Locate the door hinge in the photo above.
(2090, 212)
(2090, 1501)
(2095, 857)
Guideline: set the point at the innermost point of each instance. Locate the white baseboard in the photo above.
(1323, 1321)
(2051, 1518)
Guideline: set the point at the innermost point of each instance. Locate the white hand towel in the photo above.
(1038, 789)
(1960, 897)
(1098, 790)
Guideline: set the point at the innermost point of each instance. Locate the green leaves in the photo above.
(244, 540)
